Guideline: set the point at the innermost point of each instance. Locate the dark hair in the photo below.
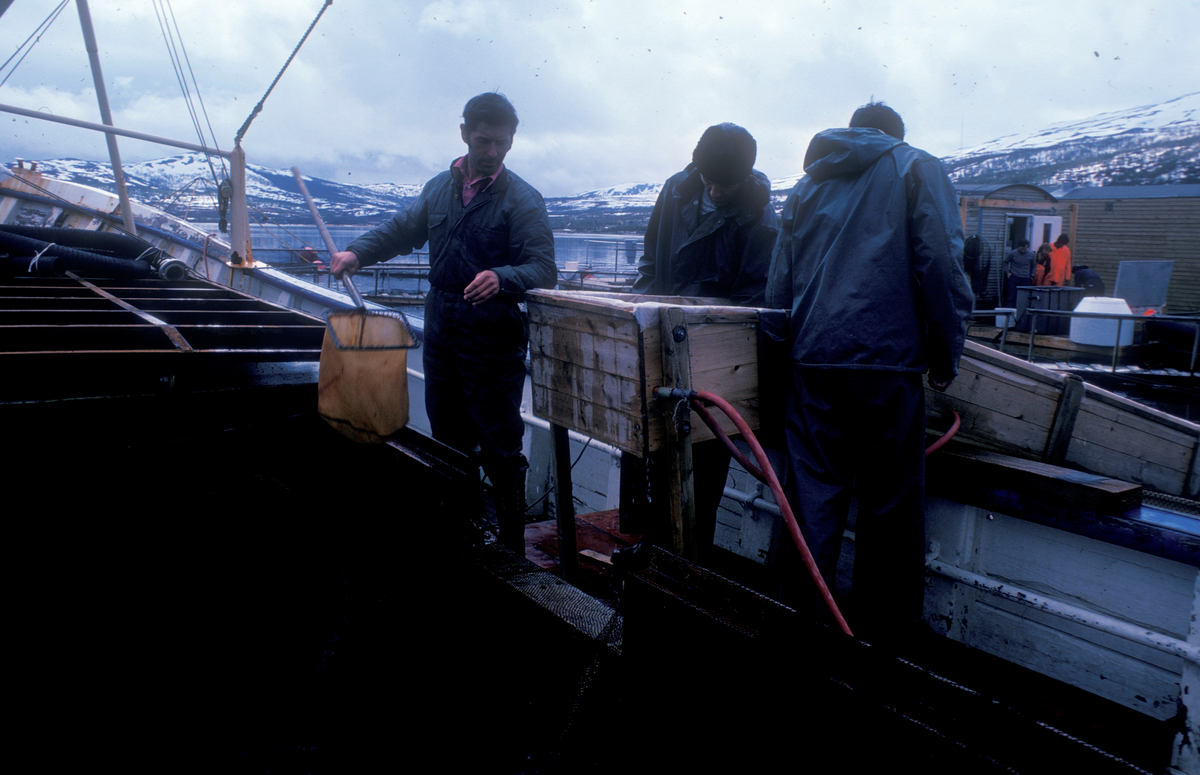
(876, 115)
(491, 108)
(1023, 243)
(725, 154)
(1062, 241)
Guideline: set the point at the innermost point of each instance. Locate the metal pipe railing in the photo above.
(1035, 314)
(112, 130)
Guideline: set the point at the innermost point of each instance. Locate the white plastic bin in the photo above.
(1099, 332)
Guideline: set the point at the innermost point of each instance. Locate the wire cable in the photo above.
(38, 31)
(196, 85)
(173, 54)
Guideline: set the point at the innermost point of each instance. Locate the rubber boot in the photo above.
(509, 495)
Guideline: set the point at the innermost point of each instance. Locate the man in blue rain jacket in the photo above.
(869, 262)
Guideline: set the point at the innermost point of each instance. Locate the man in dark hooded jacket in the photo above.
(711, 234)
(489, 242)
(713, 226)
(869, 261)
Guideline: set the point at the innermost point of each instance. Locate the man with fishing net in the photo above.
(489, 242)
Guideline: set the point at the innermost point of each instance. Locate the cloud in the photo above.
(608, 92)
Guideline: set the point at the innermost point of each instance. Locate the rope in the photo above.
(258, 108)
(37, 256)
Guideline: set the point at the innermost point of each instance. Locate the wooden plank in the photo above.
(973, 351)
(1090, 457)
(1059, 438)
(1108, 404)
(732, 384)
(598, 387)
(1019, 204)
(616, 326)
(1049, 483)
(721, 316)
(1167, 448)
(587, 350)
(748, 409)
(677, 458)
(577, 300)
(723, 346)
(600, 422)
(1005, 391)
(994, 430)
(1158, 466)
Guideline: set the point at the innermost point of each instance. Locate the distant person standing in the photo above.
(1086, 278)
(489, 242)
(870, 263)
(711, 234)
(1018, 270)
(1042, 262)
(1059, 272)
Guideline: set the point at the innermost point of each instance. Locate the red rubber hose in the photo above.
(954, 426)
(793, 527)
(719, 432)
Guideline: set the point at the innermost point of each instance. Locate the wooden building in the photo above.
(1128, 223)
(1106, 224)
(1001, 215)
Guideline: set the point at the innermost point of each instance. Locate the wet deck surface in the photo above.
(596, 534)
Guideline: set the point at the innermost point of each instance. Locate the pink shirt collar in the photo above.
(473, 187)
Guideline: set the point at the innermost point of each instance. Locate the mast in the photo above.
(239, 213)
(114, 153)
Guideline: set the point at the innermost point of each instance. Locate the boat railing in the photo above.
(401, 280)
(1009, 315)
(409, 280)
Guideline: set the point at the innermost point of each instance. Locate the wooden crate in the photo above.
(597, 358)
(1014, 407)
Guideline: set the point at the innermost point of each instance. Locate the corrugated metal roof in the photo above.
(985, 189)
(1132, 192)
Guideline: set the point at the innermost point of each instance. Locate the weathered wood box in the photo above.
(1013, 407)
(597, 358)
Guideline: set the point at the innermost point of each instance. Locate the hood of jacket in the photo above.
(837, 153)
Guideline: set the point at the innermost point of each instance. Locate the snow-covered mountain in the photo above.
(185, 185)
(1153, 144)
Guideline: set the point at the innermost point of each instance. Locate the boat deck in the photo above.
(76, 337)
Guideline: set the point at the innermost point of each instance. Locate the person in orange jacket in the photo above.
(1041, 264)
(1059, 272)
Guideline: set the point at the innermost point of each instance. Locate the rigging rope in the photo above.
(199, 97)
(39, 31)
(258, 108)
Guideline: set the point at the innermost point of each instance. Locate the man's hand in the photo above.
(485, 285)
(938, 384)
(344, 263)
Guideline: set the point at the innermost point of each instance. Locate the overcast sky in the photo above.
(608, 91)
